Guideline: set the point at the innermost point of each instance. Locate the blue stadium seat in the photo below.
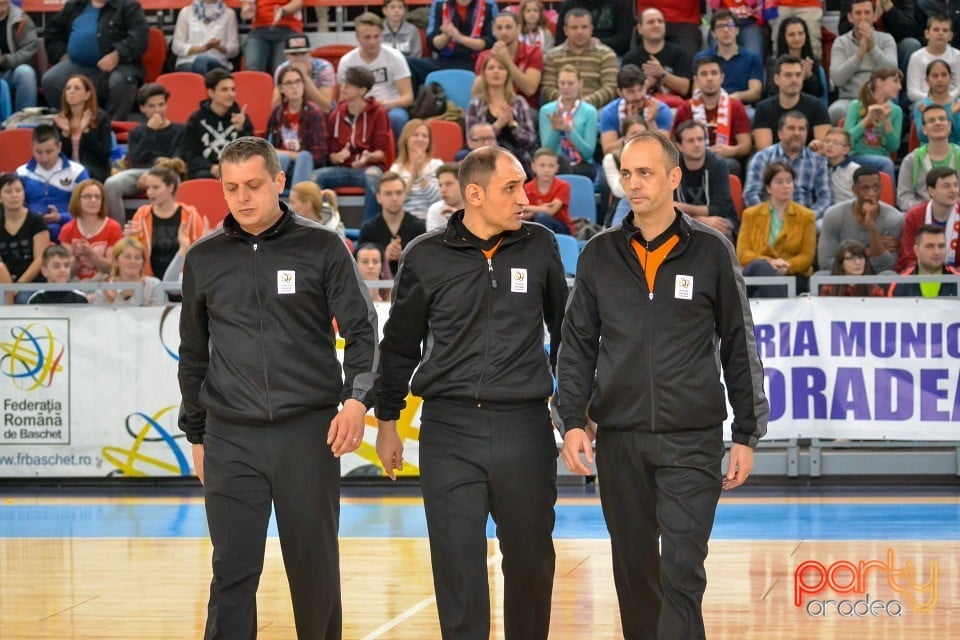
(456, 82)
(583, 204)
(569, 252)
(826, 87)
(6, 101)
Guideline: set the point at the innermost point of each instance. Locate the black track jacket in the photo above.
(650, 362)
(256, 337)
(474, 328)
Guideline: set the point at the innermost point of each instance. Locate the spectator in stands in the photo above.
(157, 138)
(23, 234)
(899, 19)
(215, 124)
(479, 134)
(319, 77)
(418, 168)
(320, 205)
(875, 121)
(810, 12)
(930, 248)
(85, 129)
(450, 198)
(102, 40)
(748, 15)
(683, 21)
(373, 266)
(811, 179)
(742, 69)
(392, 228)
(497, 104)
(50, 178)
(633, 101)
(157, 225)
(549, 195)
(18, 49)
(91, 234)
(206, 37)
(400, 34)
(856, 54)
(851, 260)
(391, 74)
(359, 138)
(668, 67)
(724, 116)
(297, 129)
(938, 152)
(927, 8)
(835, 147)
(938, 34)
(793, 39)
(939, 80)
(704, 190)
(456, 30)
(779, 237)
(129, 262)
(274, 22)
(534, 29)
(874, 224)
(941, 210)
(569, 126)
(611, 170)
(788, 78)
(57, 268)
(524, 62)
(596, 61)
(612, 21)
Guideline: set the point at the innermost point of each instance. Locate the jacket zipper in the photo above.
(263, 352)
(649, 336)
(486, 331)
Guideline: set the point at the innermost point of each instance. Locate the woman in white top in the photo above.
(206, 37)
(129, 259)
(418, 168)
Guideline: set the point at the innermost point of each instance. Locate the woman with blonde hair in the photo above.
(156, 226)
(495, 103)
(307, 199)
(418, 168)
(91, 234)
(84, 127)
(129, 263)
(569, 125)
(876, 120)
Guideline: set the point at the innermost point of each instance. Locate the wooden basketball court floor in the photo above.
(139, 568)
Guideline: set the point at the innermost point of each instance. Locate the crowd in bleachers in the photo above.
(808, 150)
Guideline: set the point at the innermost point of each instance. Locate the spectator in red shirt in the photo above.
(683, 21)
(524, 62)
(942, 210)
(91, 234)
(273, 22)
(549, 196)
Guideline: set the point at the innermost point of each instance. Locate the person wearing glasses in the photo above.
(319, 76)
(835, 147)
(937, 152)
(91, 234)
(742, 69)
(297, 129)
(481, 134)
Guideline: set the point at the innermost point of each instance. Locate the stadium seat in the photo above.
(6, 101)
(332, 53)
(187, 91)
(736, 194)
(583, 203)
(155, 55)
(255, 90)
(456, 82)
(825, 96)
(206, 194)
(17, 145)
(569, 252)
(914, 140)
(887, 192)
(447, 139)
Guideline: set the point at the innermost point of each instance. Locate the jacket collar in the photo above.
(232, 228)
(454, 238)
(680, 227)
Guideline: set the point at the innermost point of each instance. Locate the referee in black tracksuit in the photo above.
(470, 302)
(261, 384)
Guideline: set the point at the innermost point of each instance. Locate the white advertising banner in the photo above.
(92, 391)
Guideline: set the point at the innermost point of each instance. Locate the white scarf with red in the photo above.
(723, 124)
(480, 12)
(567, 147)
(952, 229)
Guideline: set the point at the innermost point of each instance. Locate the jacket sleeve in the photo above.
(580, 346)
(97, 143)
(132, 47)
(753, 185)
(829, 239)
(907, 198)
(608, 82)
(357, 322)
(403, 335)
(189, 149)
(194, 355)
(57, 31)
(803, 260)
(907, 255)
(555, 300)
(742, 370)
(27, 44)
(746, 252)
(548, 81)
(843, 61)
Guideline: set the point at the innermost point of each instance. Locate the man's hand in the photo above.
(109, 62)
(346, 429)
(238, 119)
(197, 451)
(339, 157)
(741, 463)
(891, 243)
(249, 10)
(394, 250)
(576, 442)
(155, 122)
(52, 215)
(501, 53)
(389, 447)
(719, 223)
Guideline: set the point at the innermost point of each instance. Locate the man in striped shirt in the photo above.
(596, 62)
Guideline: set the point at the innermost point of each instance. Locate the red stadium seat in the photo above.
(887, 192)
(187, 91)
(255, 90)
(447, 139)
(206, 194)
(332, 53)
(155, 55)
(736, 194)
(17, 145)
